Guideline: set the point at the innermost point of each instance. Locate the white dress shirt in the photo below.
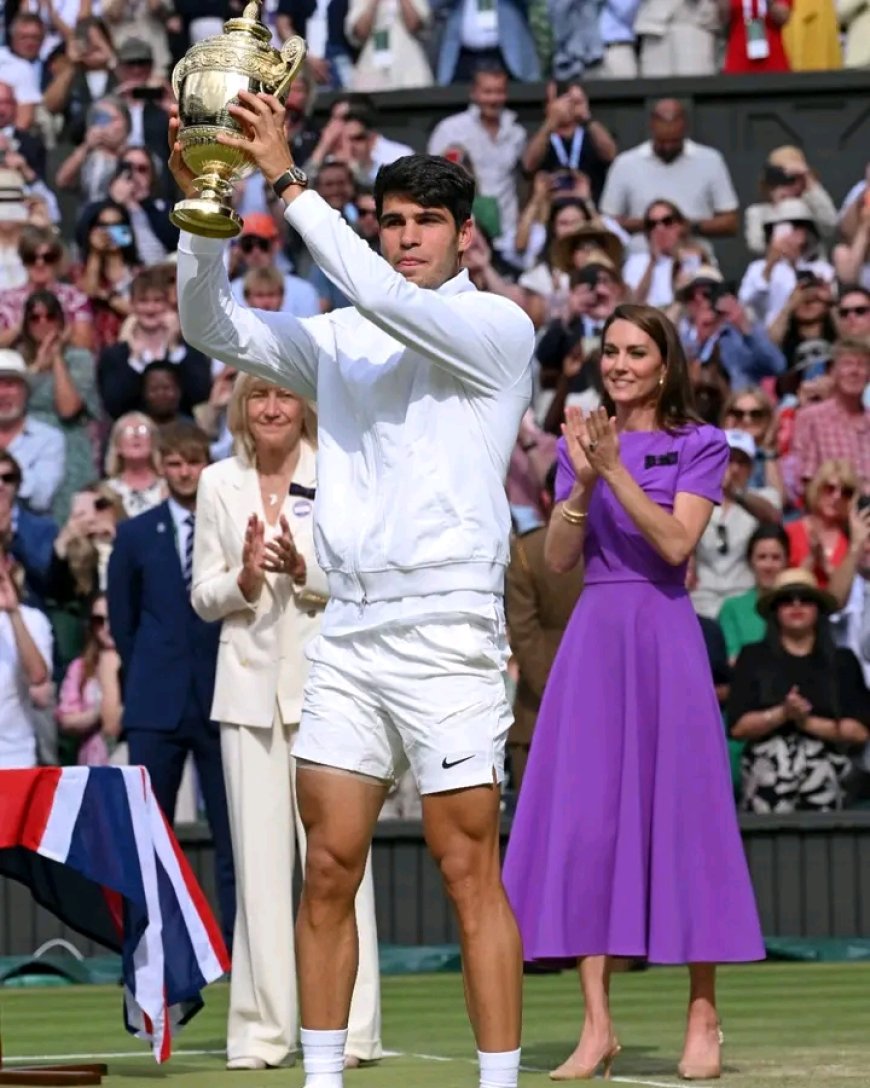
(17, 713)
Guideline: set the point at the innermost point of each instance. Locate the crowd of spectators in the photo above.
(569, 223)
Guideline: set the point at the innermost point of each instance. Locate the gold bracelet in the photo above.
(573, 517)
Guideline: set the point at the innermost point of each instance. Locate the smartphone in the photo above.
(781, 231)
(563, 181)
(83, 504)
(101, 118)
(147, 94)
(690, 263)
(807, 278)
(120, 234)
(864, 502)
(587, 276)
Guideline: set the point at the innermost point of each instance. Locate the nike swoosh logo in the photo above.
(455, 762)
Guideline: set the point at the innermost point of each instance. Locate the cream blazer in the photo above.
(261, 655)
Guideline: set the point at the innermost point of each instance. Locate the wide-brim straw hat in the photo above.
(788, 582)
(593, 234)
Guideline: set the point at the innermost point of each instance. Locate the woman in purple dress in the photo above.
(625, 841)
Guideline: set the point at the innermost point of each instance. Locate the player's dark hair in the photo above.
(430, 181)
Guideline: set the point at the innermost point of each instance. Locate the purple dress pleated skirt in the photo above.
(625, 840)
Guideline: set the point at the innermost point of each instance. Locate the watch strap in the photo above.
(293, 176)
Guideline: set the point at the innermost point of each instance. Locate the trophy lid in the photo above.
(249, 22)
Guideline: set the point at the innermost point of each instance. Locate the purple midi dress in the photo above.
(625, 839)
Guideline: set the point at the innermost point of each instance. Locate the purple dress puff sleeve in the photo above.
(703, 460)
(565, 475)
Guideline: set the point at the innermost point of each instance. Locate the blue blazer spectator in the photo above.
(168, 654)
(25, 536)
(489, 34)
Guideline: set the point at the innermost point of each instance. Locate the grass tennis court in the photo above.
(785, 1025)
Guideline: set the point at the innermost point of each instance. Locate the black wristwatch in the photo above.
(293, 176)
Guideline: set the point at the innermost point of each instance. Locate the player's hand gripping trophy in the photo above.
(206, 81)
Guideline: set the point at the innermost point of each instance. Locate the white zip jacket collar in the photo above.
(419, 393)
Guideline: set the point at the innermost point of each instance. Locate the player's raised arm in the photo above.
(275, 346)
(484, 340)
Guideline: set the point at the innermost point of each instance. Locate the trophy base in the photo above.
(207, 218)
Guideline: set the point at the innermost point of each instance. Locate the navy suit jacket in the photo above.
(168, 654)
(32, 546)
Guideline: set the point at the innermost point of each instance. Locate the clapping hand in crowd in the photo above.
(8, 593)
(278, 556)
(282, 557)
(796, 708)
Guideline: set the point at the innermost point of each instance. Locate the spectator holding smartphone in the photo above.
(83, 73)
(110, 262)
(90, 168)
(787, 176)
(792, 241)
(89, 708)
(25, 657)
(651, 276)
(136, 187)
(80, 557)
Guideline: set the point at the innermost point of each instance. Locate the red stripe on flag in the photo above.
(115, 904)
(26, 799)
(199, 901)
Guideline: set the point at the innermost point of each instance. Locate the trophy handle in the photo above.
(293, 53)
(178, 74)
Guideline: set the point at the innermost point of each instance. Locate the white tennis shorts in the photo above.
(431, 696)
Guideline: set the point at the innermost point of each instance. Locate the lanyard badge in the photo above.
(757, 45)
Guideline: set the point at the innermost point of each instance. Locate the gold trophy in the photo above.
(206, 81)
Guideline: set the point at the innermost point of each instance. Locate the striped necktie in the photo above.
(187, 566)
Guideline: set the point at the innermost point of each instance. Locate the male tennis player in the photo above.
(420, 386)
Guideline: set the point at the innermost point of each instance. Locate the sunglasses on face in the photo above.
(797, 597)
(138, 167)
(366, 213)
(41, 317)
(45, 257)
(845, 491)
(251, 242)
(11, 479)
(98, 621)
(753, 414)
(662, 221)
(854, 311)
(102, 503)
(722, 539)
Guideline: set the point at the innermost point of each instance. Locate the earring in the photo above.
(661, 379)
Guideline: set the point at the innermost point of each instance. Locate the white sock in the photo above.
(499, 1069)
(323, 1057)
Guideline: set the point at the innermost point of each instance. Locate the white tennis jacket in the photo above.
(419, 395)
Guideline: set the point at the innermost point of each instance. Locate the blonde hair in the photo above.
(761, 399)
(81, 552)
(835, 469)
(114, 465)
(237, 417)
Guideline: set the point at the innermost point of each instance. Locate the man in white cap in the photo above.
(39, 448)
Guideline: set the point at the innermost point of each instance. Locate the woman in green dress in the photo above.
(63, 391)
(767, 555)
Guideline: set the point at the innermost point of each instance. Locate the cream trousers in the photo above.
(260, 777)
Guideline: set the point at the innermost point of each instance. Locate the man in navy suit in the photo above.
(168, 654)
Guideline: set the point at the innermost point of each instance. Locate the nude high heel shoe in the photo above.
(570, 1071)
(711, 1070)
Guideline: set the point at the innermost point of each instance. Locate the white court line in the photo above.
(18, 1059)
(536, 1069)
(91, 1057)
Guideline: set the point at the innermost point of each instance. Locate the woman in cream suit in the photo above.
(254, 569)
